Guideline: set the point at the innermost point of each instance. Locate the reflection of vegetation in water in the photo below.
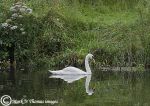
(111, 88)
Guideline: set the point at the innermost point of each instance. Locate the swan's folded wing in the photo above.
(58, 72)
(73, 70)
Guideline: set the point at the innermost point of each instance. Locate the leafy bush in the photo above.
(20, 29)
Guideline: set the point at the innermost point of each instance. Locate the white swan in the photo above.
(75, 71)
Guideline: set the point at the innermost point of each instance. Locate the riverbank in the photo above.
(61, 33)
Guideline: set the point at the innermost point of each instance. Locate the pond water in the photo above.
(101, 89)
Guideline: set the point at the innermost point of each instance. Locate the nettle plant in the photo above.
(16, 30)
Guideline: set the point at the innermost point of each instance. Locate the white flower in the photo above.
(17, 6)
(23, 33)
(8, 20)
(15, 15)
(12, 17)
(24, 7)
(29, 10)
(13, 9)
(21, 29)
(14, 27)
(4, 25)
(20, 16)
(22, 10)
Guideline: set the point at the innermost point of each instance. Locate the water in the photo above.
(100, 89)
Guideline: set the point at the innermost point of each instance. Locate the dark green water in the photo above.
(111, 88)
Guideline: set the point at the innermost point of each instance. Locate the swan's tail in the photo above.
(55, 72)
(52, 72)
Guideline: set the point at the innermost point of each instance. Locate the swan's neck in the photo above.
(88, 70)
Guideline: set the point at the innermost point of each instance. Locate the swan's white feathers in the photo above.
(73, 70)
(69, 70)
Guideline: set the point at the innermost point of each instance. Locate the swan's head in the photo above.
(90, 56)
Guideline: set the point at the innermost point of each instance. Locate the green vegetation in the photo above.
(62, 32)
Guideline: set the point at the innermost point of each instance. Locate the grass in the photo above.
(90, 15)
(119, 28)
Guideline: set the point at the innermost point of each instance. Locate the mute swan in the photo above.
(75, 71)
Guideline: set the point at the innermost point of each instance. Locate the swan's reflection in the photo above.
(87, 83)
(72, 78)
(68, 78)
